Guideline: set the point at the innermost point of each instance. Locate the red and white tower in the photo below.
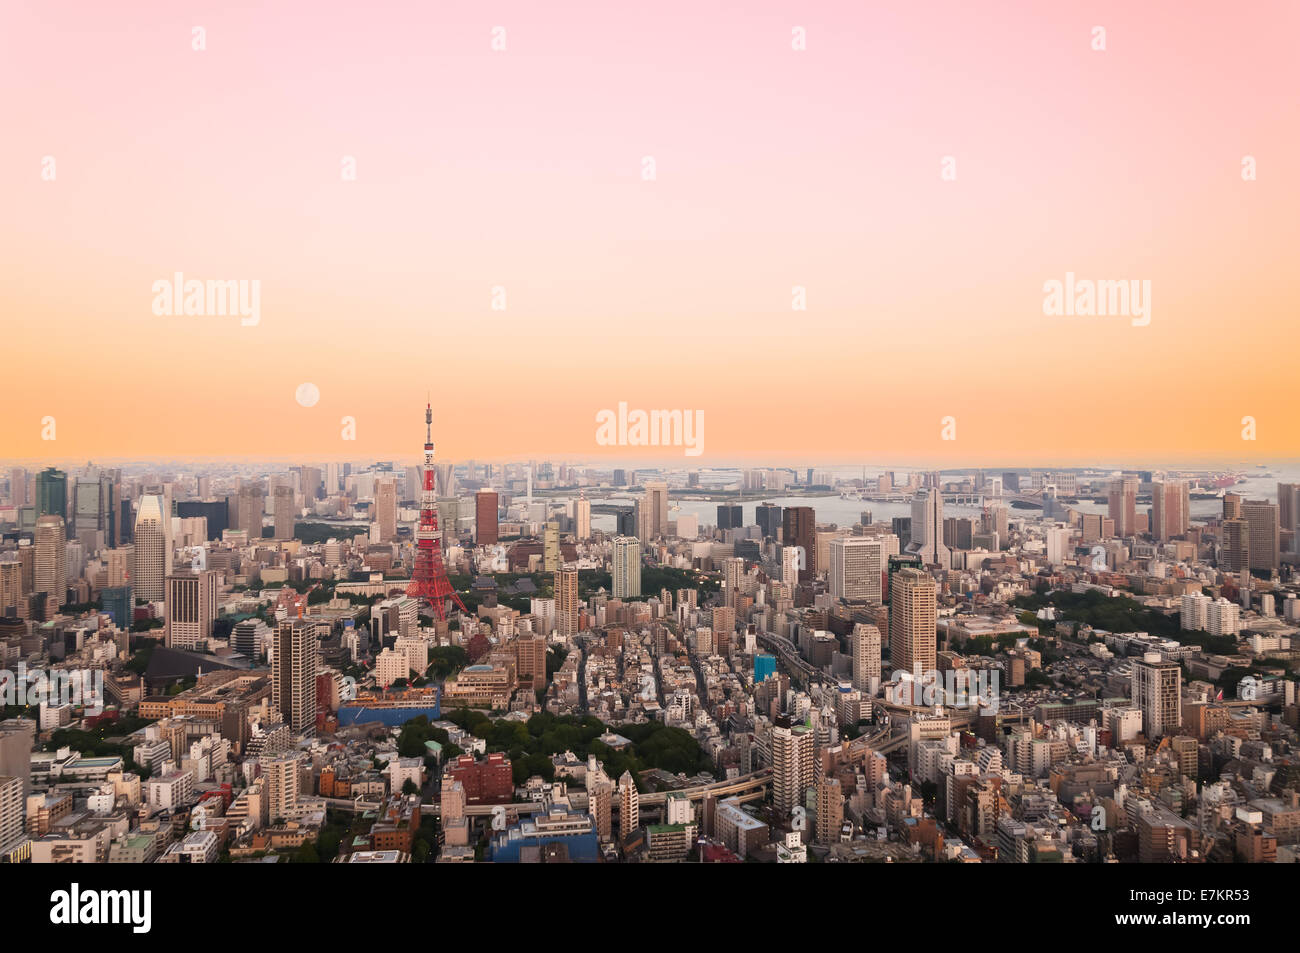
(429, 581)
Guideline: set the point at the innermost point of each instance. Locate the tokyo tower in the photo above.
(429, 581)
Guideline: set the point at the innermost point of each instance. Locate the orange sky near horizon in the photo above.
(522, 169)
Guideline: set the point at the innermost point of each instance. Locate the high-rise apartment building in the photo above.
(866, 657)
(1123, 505)
(792, 764)
(1170, 509)
(1157, 691)
(566, 600)
(1234, 545)
(913, 642)
(551, 546)
(582, 517)
(629, 806)
(293, 674)
(627, 567)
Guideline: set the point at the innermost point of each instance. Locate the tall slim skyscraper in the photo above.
(293, 674)
(1123, 505)
(792, 764)
(153, 548)
(1170, 509)
(912, 620)
(627, 567)
(252, 507)
(927, 529)
(190, 609)
(866, 657)
(629, 806)
(51, 560)
(386, 509)
(656, 498)
(485, 517)
(799, 528)
(17, 487)
(1234, 551)
(566, 600)
(284, 512)
(582, 516)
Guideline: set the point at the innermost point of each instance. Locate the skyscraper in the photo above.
(1265, 532)
(768, 517)
(582, 516)
(252, 506)
(153, 548)
(190, 609)
(857, 564)
(52, 493)
(799, 528)
(627, 567)
(792, 764)
(927, 529)
(284, 514)
(1123, 505)
(1157, 691)
(730, 516)
(51, 560)
(485, 517)
(866, 657)
(1170, 507)
(629, 806)
(912, 618)
(293, 674)
(566, 600)
(1234, 551)
(656, 498)
(386, 509)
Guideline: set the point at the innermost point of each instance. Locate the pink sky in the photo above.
(775, 168)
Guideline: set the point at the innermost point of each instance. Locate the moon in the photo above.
(307, 394)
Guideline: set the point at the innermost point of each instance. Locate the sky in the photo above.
(517, 176)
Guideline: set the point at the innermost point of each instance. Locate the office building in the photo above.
(485, 518)
(153, 548)
(190, 608)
